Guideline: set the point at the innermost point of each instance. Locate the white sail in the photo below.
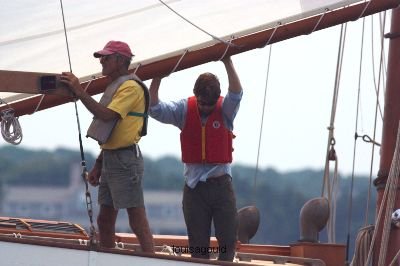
(35, 40)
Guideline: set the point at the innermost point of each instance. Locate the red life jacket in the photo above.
(211, 143)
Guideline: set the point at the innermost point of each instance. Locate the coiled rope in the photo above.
(10, 128)
(363, 242)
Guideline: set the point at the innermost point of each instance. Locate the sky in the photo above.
(298, 106)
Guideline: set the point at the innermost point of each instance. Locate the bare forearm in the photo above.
(99, 159)
(154, 87)
(98, 110)
(94, 107)
(234, 82)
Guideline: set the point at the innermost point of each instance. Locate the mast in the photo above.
(389, 133)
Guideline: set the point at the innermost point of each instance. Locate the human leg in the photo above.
(140, 226)
(125, 171)
(107, 215)
(225, 219)
(106, 223)
(197, 216)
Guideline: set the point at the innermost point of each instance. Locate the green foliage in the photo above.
(165, 173)
(279, 197)
(37, 167)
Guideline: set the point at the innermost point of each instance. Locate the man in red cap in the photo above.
(123, 108)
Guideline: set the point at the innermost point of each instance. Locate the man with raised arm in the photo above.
(206, 124)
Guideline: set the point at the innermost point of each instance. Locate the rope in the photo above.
(197, 27)
(377, 108)
(226, 49)
(394, 261)
(88, 198)
(137, 68)
(90, 82)
(332, 204)
(319, 21)
(66, 36)
(350, 205)
(389, 195)
(376, 83)
(332, 192)
(273, 33)
(366, 138)
(365, 9)
(393, 176)
(261, 126)
(89, 205)
(329, 192)
(38, 105)
(179, 61)
(169, 250)
(10, 128)
(363, 243)
(383, 54)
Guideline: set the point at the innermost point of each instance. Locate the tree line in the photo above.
(279, 196)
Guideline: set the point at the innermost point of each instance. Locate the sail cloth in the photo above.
(32, 34)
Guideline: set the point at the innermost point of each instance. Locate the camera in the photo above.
(48, 83)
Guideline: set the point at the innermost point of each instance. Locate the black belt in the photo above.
(130, 147)
(219, 179)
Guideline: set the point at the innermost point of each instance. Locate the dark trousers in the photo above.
(211, 200)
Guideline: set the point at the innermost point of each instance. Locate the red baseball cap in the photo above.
(113, 47)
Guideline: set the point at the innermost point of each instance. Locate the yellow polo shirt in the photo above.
(128, 98)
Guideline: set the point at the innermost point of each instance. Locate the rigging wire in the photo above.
(384, 64)
(84, 174)
(367, 139)
(66, 37)
(272, 34)
(376, 83)
(367, 247)
(350, 205)
(377, 107)
(365, 9)
(179, 61)
(382, 255)
(331, 191)
(388, 197)
(197, 27)
(137, 68)
(319, 20)
(39, 103)
(227, 48)
(261, 126)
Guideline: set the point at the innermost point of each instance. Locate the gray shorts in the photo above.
(121, 178)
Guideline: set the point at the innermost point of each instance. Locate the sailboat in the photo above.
(54, 44)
